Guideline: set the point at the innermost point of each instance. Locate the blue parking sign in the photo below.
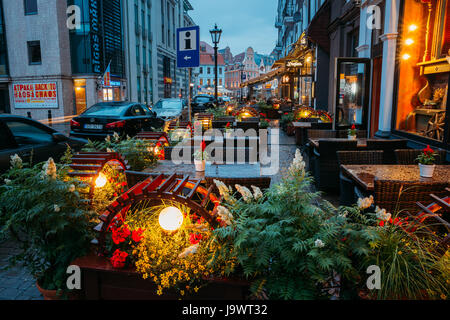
(188, 47)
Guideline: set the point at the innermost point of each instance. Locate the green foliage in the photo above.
(287, 118)
(291, 249)
(264, 106)
(139, 153)
(218, 112)
(264, 124)
(43, 210)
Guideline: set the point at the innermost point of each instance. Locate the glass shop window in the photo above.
(422, 88)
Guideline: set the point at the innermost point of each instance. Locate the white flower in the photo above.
(245, 192)
(116, 136)
(298, 165)
(225, 215)
(365, 203)
(188, 251)
(319, 243)
(344, 215)
(16, 162)
(72, 188)
(223, 189)
(108, 138)
(382, 214)
(128, 137)
(7, 181)
(109, 150)
(257, 193)
(49, 169)
(56, 208)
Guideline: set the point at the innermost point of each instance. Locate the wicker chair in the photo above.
(347, 194)
(246, 125)
(359, 134)
(326, 163)
(398, 196)
(409, 156)
(388, 146)
(309, 149)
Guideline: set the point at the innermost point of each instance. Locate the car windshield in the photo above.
(202, 99)
(105, 110)
(164, 105)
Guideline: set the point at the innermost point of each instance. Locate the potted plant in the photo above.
(351, 133)
(426, 162)
(200, 158)
(264, 123)
(49, 220)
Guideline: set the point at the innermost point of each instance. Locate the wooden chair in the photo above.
(409, 156)
(346, 185)
(326, 162)
(388, 146)
(399, 196)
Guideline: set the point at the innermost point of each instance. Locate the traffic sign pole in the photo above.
(190, 94)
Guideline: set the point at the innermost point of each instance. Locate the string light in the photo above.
(406, 56)
(409, 41)
(412, 27)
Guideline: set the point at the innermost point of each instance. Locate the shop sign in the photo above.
(95, 36)
(35, 95)
(294, 64)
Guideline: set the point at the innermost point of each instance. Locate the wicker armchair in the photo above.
(388, 146)
(409, 156)
(326, 162)
(398, 196)
(315, 133)
(346, 186)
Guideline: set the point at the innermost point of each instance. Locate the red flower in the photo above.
(195, 238)
(203, 146)
(118, 259)
(428, 150)
(353, 127)
(136, 235)
(228, 125)
(119, 235)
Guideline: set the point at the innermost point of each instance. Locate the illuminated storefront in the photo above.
(421, 100)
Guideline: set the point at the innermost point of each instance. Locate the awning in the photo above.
(264, 78)
(317, 30)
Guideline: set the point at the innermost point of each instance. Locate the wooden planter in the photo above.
(290, 130)
(100, 281)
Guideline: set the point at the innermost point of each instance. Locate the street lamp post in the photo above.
(215, 36)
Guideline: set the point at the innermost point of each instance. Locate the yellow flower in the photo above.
(443, 297)
(182, 292)
(399, 252)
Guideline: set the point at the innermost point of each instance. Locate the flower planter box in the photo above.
(100, 281)
(272, 114)
(290, 130)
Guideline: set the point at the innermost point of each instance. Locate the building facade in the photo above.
(55, 68)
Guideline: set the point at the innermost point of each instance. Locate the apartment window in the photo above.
(30, 7)
(220, 70)
(144, 56)
(139, 89)
(220, 82)
(138, 55)
(168, 37)
(201, 82)
(201, 69)
(34, 52)
(209, 70)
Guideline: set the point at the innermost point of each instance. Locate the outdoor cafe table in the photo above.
(364, 175)
(236, 170)
(361, 142)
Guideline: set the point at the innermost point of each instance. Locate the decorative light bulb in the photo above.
(101, 180)
(406, 56)
(171, 219)
(409, 41)
(412, 27)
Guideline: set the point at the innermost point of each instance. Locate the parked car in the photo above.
(226, 99)
(105, 118)
(29, 138)
(201, 103)
(169, 109)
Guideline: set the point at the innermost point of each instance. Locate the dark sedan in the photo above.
(30, 138)
(201, 103)
(170, 109)
(106, 118)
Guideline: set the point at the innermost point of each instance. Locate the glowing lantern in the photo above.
(406, 56)
(101, 180)
(409, 41)
(412, 27)
(170, 219)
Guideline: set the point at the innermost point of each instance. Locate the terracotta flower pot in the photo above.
(200, 165)
(54, 295)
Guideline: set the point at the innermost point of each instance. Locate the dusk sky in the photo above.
(244, 23)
